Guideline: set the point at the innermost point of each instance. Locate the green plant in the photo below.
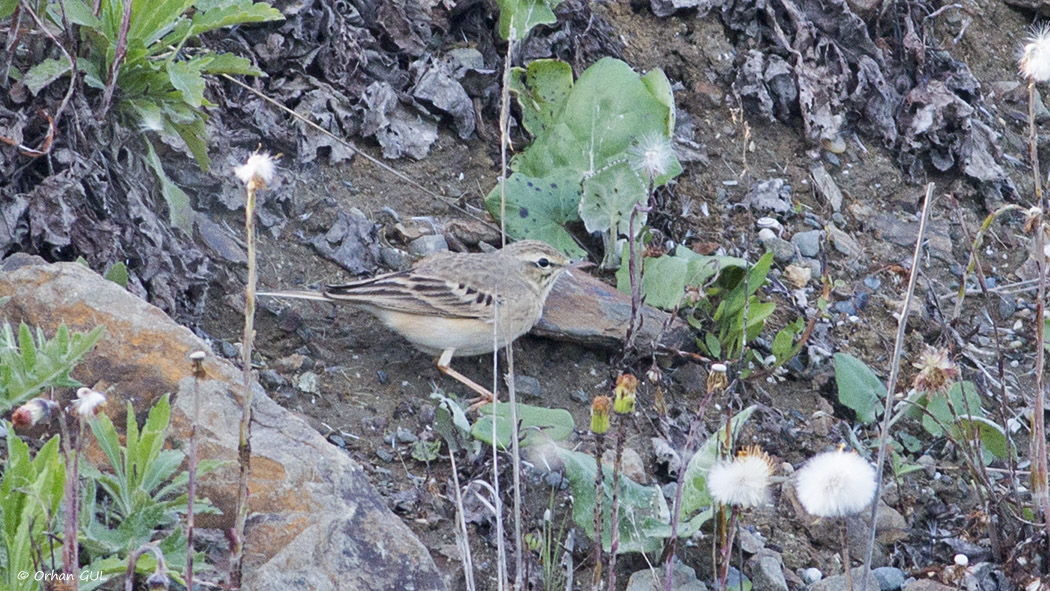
(645, 521)
(538, 425)
(144, 495)
(577, 168)
(150, 51)
(28, 364)
(30, 493)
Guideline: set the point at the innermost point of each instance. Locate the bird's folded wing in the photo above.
(413, 293)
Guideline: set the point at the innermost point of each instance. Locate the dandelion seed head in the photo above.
(87, 404)
(652, 155)
(744, 481)
(936, 370)
(1035, 56)
(835, 484)
(259, 169)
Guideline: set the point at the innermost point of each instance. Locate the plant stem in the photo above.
(676, 512)
(891, 383)
(118, 59)
(727, 546)
(599, 496)
(1040, 494)
(70, 543)
(244, 447)
(845, 555)
(191, 493)
(614, 532)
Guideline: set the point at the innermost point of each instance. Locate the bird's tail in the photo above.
(298, 295)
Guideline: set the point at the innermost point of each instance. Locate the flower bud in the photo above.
(626, 386)
(600, 408)
(33, 412)
(716, 378)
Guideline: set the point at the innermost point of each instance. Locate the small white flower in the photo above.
(835, 484)
(743, 481)
(652, 155)
(88, 403)
(1035, 57)
(259, 169)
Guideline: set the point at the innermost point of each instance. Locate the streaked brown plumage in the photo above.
(452, 304)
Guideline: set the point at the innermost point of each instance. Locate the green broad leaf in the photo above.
(538, 425)
(186, 78)
(992, 436)
(965, 400)
(179, 211)
(643, 511)
(859, 388)
(79, 13)
(609, 198)
(227, 63)
(541, 90)
(660, 87)
(228, 14)
(29, 364)
(539, 209)
(694, 494)
(151, 20)
(118, 274)
(7, 8)
(45, 73)
(910, 442)
(518, 17)
(584, 131)
(450, 422)
(196, 137)
(665, 278)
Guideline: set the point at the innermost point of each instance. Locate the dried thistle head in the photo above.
(1033, 218)
(936, 370)
(717, 380)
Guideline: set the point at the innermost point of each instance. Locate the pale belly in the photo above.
(467, 337)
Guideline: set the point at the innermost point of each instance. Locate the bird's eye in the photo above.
(543, 263)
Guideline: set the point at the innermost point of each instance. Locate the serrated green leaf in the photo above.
(233, 13)
(118, 273)
(227, 63)
(79, 13)
(859, 388)
(45, 73)
(186, 77)
(179, 210)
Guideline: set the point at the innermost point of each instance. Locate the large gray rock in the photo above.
(315, 523)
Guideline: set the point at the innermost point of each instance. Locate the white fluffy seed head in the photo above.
(87, 404)
(259, 169)
(651, 156)
(1035, 56)
(743, 482)
(835, 484)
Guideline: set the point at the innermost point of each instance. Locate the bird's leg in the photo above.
(444, 364)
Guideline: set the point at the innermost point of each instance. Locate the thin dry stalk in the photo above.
(891, 383)
(504, 143)
(1040, 494)
(676, 512)
(70, 545)
(197, 358)
(727, 547)
(462, 535)
(244, 447)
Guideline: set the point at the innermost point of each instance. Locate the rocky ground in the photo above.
(845, 194)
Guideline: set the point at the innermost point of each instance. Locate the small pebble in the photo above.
(381, 375)
(810, 575)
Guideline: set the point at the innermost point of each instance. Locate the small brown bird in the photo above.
(452, 304)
